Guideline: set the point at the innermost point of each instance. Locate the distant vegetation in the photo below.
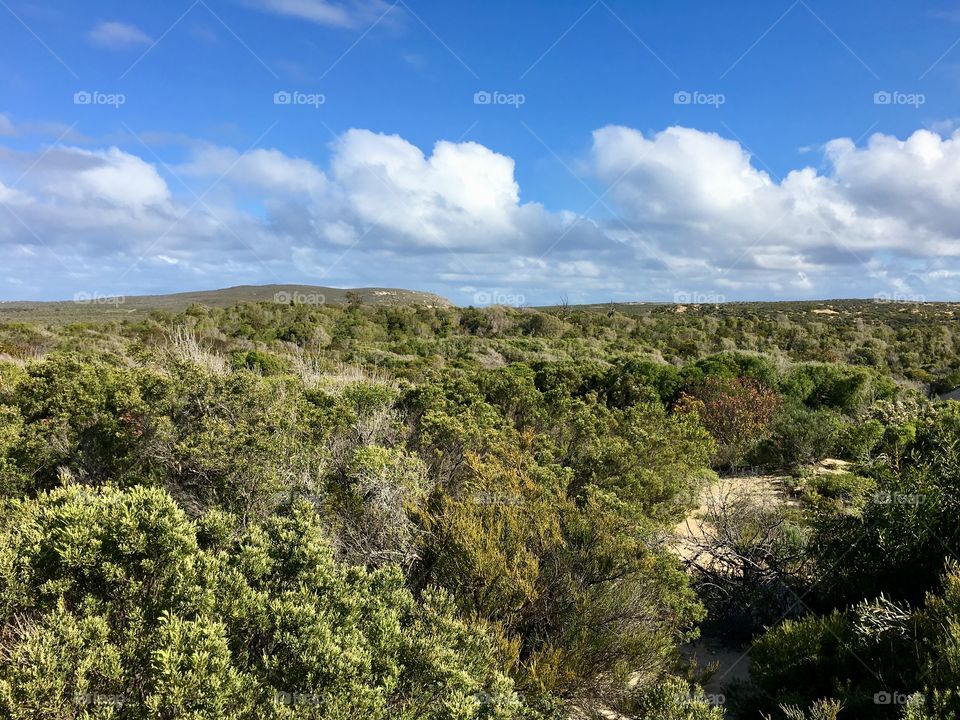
(390, 510)
(100, 307)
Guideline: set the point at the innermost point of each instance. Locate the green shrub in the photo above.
(800, 436)
(130, 614)
(259, 361)
(675, 699)
(843, 486)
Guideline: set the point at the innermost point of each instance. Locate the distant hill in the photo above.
(100, 307)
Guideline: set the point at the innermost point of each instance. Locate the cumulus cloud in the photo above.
(463, 194)
(110, 178)
(692, 213)
(679, 173)
(115, 35)
(916, 181)
(698, 195)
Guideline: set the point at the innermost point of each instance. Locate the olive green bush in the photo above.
(116, 603)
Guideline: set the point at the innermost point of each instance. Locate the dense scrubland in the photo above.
(356, 511)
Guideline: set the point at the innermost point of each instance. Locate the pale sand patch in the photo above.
(767, 490)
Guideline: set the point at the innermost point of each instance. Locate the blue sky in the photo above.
(489, 151)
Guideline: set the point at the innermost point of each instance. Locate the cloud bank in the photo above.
(689, 212)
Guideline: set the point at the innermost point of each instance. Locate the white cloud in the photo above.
(916, 181)
(11, 196)
(265, 170)
(6, 126)
(677, 172)
(345, 15)
(463, 194)
(694, 193)
(109, 177)
(115, 35)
